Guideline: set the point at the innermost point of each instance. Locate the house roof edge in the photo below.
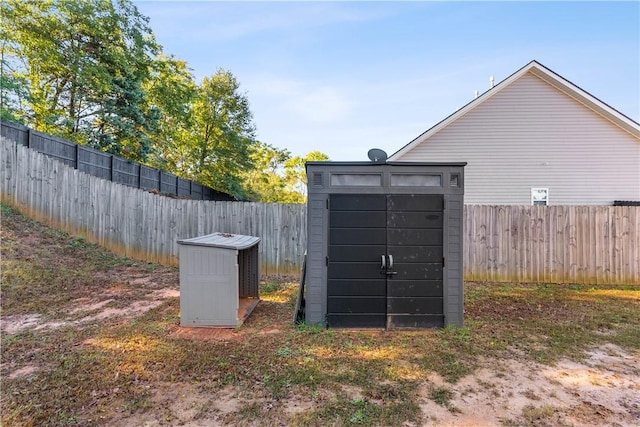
(550, 77)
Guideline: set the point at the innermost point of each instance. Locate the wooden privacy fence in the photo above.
(561, 244)
(108, 166)
(552, 244)
(140, 224)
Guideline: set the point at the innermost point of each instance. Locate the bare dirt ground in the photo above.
(602, 390)
(153, 288)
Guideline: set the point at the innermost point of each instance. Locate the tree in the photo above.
(263, 182)
(13, 92)
(276, 176)
(13, 87)
(218, 149)
(171, 93)
(85, 63)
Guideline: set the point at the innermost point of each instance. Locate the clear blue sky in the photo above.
(343, 77)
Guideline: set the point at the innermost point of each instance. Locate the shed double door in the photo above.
(385, 261)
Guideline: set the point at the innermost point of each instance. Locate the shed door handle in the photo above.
(384, 263)
(390, 271)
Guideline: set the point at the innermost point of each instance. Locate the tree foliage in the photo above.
(171, 93)
(277, 177)
(223, 133)
(13, 92)
(265, 181)
(208, 130)
(13, 86)
(85, 63)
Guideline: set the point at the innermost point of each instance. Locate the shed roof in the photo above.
(365, 163)
(222, 240)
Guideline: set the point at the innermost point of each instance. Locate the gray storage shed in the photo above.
(384, 244)
(219, 279)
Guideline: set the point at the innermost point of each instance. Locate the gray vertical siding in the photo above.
(454, 295)
(530, 134)
(317, 223)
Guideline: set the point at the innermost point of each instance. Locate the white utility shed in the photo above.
(219, 278)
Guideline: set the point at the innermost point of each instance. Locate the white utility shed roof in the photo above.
(222, 240)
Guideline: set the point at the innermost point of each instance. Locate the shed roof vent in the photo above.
(317, 179)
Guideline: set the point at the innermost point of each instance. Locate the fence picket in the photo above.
(563, 244)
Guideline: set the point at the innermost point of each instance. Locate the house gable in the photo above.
(537, 131)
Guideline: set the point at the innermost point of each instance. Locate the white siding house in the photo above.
(537, 131)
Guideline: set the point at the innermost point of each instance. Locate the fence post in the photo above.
(29, 138)
(77, 156)
(111, 168)
(159, 181)
(139, 175)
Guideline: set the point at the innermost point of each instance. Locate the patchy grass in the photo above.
(548, 322)
(441, 395)
(537, 416)
(43, 269)
(121, 370)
